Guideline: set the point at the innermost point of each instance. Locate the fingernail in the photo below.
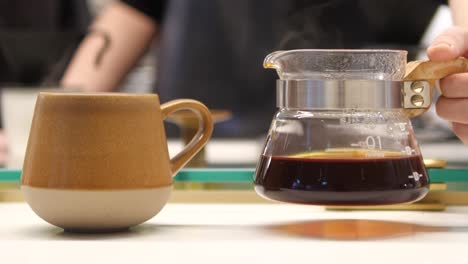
(442, 45)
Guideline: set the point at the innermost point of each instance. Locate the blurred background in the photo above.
(38, 39)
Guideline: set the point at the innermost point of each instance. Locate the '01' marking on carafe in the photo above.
(370, 143)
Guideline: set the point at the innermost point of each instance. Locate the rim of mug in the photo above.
(94, 94)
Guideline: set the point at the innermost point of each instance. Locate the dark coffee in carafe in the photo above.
(325, 179)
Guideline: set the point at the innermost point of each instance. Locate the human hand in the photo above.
(453, 102)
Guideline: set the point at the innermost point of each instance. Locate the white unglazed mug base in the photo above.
(96, 210)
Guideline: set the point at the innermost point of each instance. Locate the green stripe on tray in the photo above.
(448, 175)
(215, 175)
(185, 175)
(246, 175)
(10, 175)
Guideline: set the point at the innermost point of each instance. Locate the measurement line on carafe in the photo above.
(416, 176)
(409, 151)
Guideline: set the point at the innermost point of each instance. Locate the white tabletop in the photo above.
(221, 233)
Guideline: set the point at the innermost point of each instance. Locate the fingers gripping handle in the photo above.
(205, 129)
(432, 71)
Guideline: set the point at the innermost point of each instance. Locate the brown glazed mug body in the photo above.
(100, 162)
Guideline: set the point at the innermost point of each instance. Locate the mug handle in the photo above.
(205, 129)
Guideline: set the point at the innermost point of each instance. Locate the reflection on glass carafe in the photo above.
(342, 135)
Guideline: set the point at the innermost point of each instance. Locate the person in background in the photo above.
(37, 40)
(212, 50)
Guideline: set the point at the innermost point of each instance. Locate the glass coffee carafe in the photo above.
(342, 135)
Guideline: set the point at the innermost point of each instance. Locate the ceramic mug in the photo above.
(100, 162)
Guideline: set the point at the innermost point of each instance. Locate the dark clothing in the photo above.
(153, 9)
(44, 15)
(38, 38)
(212, 50)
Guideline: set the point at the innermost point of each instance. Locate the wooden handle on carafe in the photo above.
(432, 71)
